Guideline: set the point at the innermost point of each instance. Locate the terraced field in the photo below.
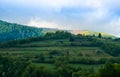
(45, 53)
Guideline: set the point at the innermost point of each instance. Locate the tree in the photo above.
(107, 71)
(117, 69)
(100, 35)
(41, 58)
(71, 39)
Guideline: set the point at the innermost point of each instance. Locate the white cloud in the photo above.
(57, 5)
(42, 23)
(113, 27)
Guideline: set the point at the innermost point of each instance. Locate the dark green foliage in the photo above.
(117, 39)
(54, 52)
(109, 70)
(117, 69)
(112, 49)
(33, 71)
(41, 58)
(12, 31)
(100, 35)
(80, 54)
(14, 43)
(11, 68)
(71, 39)
(63, 68)
(58, 35)
(48, 36)
(109, 47)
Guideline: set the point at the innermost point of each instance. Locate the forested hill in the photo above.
(12, 31)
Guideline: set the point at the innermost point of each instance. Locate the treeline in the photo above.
(87, 60)
(48, 36)
(10, 67)
(112, 49)
(90, 61)
(14, 43)
(12, 31)
(58, 35)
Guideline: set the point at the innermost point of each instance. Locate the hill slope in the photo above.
(88, 32)
(12, 31)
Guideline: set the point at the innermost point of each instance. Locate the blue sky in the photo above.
(97, 15)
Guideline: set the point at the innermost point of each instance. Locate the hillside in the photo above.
(13, 31)
(60, 52)
(89, 32)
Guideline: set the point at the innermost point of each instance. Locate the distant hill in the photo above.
(88, 32)
(46, 30)
(13, 31)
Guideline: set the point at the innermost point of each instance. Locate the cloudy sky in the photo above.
(97, 15)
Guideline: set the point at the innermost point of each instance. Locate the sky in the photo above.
(96, 15)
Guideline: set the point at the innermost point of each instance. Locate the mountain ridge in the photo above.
(14, 31)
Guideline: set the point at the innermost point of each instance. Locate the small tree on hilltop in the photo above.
(100, 35)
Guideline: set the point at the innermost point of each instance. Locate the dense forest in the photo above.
(12, 31)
